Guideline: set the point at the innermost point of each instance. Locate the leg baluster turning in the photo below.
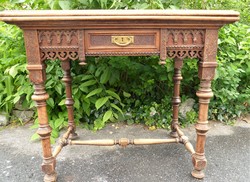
(48, 166)
(176, 96)
(37, 76)
(199, 159)
(69, 100)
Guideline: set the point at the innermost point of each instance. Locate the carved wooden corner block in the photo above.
(36, 73)
(206, 70)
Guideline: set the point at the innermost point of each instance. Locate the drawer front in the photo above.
(121, 41)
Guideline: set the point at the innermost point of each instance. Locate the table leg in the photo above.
(199, 159)
(178, 62)
(67, 79)
(37, 76)
(206, 72)
(48, 166)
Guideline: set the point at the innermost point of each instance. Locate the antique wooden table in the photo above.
(73, 35)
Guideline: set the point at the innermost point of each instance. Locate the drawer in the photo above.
(113, 42)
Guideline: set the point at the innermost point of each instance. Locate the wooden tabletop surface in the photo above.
(42, 15)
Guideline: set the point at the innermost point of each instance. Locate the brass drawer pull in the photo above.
(122, 40)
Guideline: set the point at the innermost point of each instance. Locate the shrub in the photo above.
(139, 90)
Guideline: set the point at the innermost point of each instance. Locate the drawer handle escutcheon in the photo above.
(122, 40)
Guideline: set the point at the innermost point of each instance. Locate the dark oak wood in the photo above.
(73, 35)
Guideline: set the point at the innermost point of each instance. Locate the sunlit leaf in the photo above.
(94, 92)
(100, 102)
(107, 116)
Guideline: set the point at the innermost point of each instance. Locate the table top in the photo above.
(87, 19)
(226, 16)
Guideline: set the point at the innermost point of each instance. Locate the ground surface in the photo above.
(227, 150)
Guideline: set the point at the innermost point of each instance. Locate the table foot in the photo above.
(200, 163)
(50, 177)
(198, 174)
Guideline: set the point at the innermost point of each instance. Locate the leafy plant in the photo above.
(131, 89)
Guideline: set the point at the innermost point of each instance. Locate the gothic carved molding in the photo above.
(182, 43)
(69, 44)
(59, 44)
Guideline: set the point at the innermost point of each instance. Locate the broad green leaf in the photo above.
(76, 103)
(84, 89)
(62, 102)
(49, 83)
(94, 92)
(86, 99)
(13, 70)
(100, 102)
(51, 102)
(113, 94)
(98, 71)
(55, 133)
(230, 40)
(105, 76)
(59, 123)
(16, 99)
(107, 116)
(98, 124)
(115, 116)
(88, 83)
(86, 77)
(86, 108)
(58, 88)
(126, 94)
(116, 107)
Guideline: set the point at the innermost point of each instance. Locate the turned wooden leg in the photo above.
(37, 76)
(48, 166)
(199, 159)
(176, 96)
(206, 72)
(69, 100)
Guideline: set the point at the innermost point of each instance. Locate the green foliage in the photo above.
(131, 89)
(14, 84)
(231, 85)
